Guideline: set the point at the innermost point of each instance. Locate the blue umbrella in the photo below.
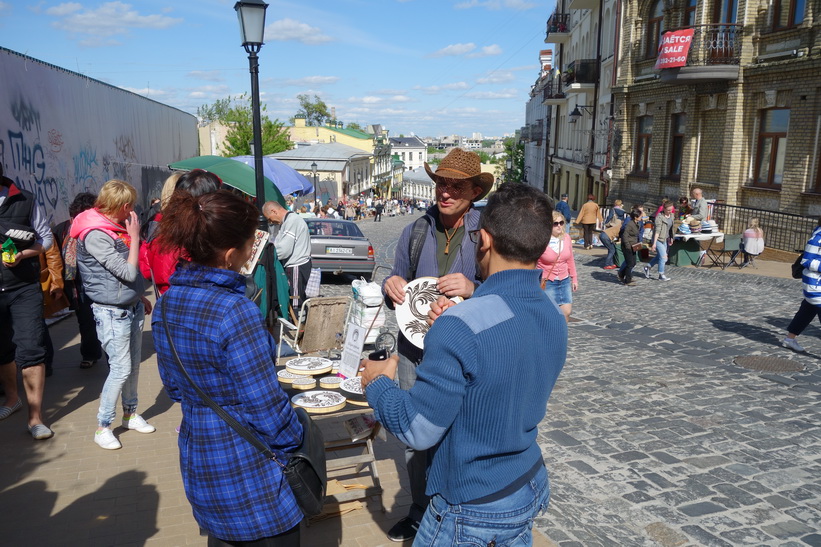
(285, 177)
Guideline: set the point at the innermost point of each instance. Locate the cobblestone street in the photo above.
(654, 436)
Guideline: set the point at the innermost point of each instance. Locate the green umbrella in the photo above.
(233, 173)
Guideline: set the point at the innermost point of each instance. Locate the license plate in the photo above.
(338, 251)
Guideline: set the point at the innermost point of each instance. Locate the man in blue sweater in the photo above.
(490, 364)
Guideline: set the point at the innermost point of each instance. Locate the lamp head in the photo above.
(313, 168)
(574, 116)
(251, 15)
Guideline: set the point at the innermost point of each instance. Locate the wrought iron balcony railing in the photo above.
(554, 90)
(581, 71)
(716, 44)
(558, 22)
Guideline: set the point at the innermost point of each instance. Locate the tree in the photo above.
(237, 115)
(315, 112)
(515, 150)
(354, 125)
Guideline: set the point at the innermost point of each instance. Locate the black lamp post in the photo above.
(251, 15)
(313, 201)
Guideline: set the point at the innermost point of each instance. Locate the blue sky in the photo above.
(415, 66)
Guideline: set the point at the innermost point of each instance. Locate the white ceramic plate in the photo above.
(352, 385)
(412, 314)
(287, 377)
(309, 365)
(319, 402)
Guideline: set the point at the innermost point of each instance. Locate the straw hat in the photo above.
(462, 165)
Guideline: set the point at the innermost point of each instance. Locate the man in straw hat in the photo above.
(436, 245)
(480, 397)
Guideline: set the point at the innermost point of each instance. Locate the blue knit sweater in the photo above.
(490, 364)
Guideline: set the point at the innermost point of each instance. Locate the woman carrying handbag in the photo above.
(237, 493)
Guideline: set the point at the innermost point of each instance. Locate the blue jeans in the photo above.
(120, 332)
(661, 256)
(507, 522)
(611, 249)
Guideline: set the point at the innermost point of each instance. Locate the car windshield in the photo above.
(333, 228)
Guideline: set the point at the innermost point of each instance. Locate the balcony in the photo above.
(581, 76)
(558, 29)
(554, 93)
(583, 4)
(714, 56)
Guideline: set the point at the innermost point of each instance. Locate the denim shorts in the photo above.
(560, 291)
(23, 332)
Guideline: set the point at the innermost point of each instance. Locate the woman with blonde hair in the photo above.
(108, 250)
(752, 241)
(559, 280)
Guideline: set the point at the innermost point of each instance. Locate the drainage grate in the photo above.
(767, 364)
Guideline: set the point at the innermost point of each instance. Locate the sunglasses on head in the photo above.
(558, 223)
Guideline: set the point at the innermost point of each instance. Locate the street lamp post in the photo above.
(313, 201)
(509, 166)
(251, 15)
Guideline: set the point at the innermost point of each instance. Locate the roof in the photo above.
(418, 176)
(329, 156)
(355, 133)
(414, 142)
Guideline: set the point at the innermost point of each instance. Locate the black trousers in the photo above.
(298, 280)
(803, 317)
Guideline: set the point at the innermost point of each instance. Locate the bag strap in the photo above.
(417, 241)
(230, 420)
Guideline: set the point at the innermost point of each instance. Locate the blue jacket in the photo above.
(482, 387)
(564, 209)
(811, 260)
(236, 493)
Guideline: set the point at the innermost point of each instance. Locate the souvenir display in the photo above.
(330, 382)
(412, 314)
(319, 402)
(352, 386)
(307, 366)
(304, 382)
(287, 377)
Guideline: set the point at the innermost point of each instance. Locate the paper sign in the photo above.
(352, 350)
(674, 48)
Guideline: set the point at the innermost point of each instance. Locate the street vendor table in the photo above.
(338, 467)
(687, 248)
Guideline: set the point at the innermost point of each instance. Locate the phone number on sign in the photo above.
(670, 60)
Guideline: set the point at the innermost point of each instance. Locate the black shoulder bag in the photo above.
(305, 470)
(797, 268)
(417, 241)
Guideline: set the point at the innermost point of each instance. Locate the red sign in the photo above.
(674, 48)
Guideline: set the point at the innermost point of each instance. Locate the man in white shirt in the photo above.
(293, 245)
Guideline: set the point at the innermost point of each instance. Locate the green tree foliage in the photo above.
(515, 150)
(354, 125)
(315, 111)
(237, 115)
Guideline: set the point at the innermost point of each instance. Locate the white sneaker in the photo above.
(137, 423)
(793, 344)
(663, 277)
(647, 272)
(106, 439)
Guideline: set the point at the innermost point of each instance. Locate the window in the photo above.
(787, 13)
(644, 138)
(677, 127)
(690, 13)
(772, 147)
(403, 156)
(654, 27)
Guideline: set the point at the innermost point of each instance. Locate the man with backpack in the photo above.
(438, 245)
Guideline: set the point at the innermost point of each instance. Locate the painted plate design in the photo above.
(412, 314)
(307, 366)
(287, 377)
(330, 382)
(352, 385)
(319, 402)
(304, 382)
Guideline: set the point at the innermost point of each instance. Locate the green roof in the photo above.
(355, 133)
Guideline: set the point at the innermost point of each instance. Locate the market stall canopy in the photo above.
(285, 177)
(233, 173)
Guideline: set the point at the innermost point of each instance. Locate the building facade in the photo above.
(410, 150)
(534, 135)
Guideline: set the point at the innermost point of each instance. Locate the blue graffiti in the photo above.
(46, 192)
(25, 114)
(27, 157)
(84, 162)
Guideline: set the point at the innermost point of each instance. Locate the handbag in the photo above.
(636, 246)
(305, 469)
(797, 268)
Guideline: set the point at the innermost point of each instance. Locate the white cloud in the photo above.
(389, 92)
(290, 30)
(156, 94)
(5, 8)
(517, 5)
(501, 94)
(98, 27)
(373, 100)
(434, 89)
(207, 75)
(312, 80)
(487, 51)
(497, 78)
(454, 50)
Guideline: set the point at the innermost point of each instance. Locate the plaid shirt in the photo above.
(236, 493)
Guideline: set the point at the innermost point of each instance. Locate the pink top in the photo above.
(564, 263)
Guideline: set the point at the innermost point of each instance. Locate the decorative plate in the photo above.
(287, 377)
(352, 385)
(307, 366)
(412, 314)
(330, 382)
(319, 402)
(304, 382)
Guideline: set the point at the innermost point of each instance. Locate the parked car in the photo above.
(338, 246)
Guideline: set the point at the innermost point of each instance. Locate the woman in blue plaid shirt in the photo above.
(236, 493)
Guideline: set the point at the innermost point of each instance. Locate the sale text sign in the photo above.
(674, 48)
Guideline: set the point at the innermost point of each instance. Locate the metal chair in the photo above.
(732, 247)
(321, 324)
